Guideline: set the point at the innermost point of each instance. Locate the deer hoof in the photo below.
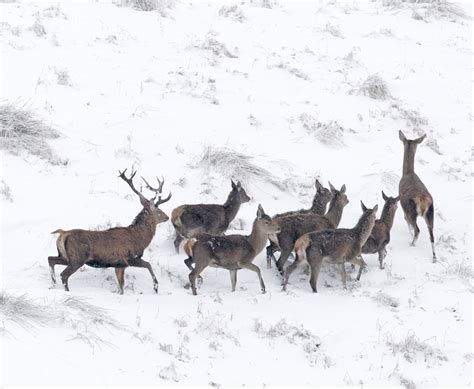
(155, 288)
(263, 291)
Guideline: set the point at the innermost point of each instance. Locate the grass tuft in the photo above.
(21, 129)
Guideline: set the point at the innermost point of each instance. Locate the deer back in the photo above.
(192, 219)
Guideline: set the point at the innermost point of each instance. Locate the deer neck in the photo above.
(232, 205)
(409, 160)
(363, 228)
(387, 216)
(144, 225)
(257, 238)
(334, 214)
(319, 205)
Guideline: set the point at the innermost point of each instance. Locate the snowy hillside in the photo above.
(272, 93)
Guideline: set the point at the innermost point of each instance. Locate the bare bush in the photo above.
(169, 373)
(216, 48)
(6, 192)
(375, 88)
(233, 164)
(270, 4)
(385, 299)
(232, 12)
(330, 133)
(38, 28)
(413, 348)
(293, 334)
(334, 30)
(21, 129)
(63, 77)
(162, 6)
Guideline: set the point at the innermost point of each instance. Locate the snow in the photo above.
(155, 90)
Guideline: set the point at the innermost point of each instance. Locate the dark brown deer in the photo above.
(231, 252)
(380, 236)
(320, 201)
(414, 197)
(336, 246)
(294, 226)
(118, 247)
(191, 220)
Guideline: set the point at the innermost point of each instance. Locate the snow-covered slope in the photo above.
(178, 92)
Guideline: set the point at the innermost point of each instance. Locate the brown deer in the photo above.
(117, 247)
(336, 246)
(414, 197)
(232, 252)
(380, 236)
(320, 201)
(296, 225)
(191, 220)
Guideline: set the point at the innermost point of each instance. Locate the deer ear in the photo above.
(375, 208)
(397, 198)
(232, 183)
(364, 208)
(402, 136)
(384, 196)
(332, 187)
(343, 189)
(318, 185)
(260, 212)
(420, 139)
(239, 185)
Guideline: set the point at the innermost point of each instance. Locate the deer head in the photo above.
(244, 198)
(150, 205)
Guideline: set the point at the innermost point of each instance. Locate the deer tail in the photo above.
(188, 246)
(176, 216)
(301, 246)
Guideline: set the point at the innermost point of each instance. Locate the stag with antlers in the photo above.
(117, 247)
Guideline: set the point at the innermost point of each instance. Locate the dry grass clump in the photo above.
(24, 311)
(162, 6)
(21, 129)
(218, 49)
(413, 348)
(6, 192)
(330, 133)
(374, 87)
(232, 12)
(38, 28)
(435, 8)
(233, 164)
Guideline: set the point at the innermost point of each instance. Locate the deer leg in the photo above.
(177, 242)
(382, 255)
(71, 268)
(233, 278)
(256, 269)
(198, 268)
(342, 269)
(120, 274)
(139, 262)
(285, 253)
(429, 219)
(56, 261)
(362, 265)
(313, 280)
(189, 263)
(410, 216)
(290, 269)
(270, 254)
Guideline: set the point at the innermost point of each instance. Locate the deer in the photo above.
(296, 225)
(118, 247)
(320, 200)
(232, 252)
(335, 246)
(190, 220)
(380, 236)
(414, 197)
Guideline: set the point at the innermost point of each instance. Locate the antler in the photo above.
(129, 181)
(158, 190)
